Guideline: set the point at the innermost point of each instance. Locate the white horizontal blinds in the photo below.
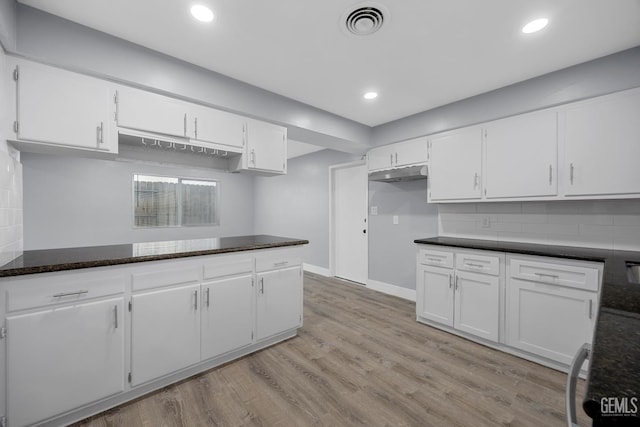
(173, 202)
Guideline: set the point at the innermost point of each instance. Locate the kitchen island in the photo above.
(614, 370)
(86, 329)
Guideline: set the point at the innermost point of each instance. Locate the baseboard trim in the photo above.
(386, 288)
(316, 270)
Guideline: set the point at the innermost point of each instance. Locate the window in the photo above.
(174, 202)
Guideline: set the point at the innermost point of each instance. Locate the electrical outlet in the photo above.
(373, 210)
(395, 220)
(486, 222)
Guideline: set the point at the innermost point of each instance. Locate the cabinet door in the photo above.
(266, 146)
(521, 156)
(477, 304)
(145, 111)
(279, 302)
(547, 320)
(435, 294)
(217, 127)
(411, 152)
(63, 108)
(380, 158)
(455, 165)
(602, 145)
(227, 315)
(64, 357)
(165, 332)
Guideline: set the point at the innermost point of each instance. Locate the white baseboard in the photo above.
(386, 288)
(317, 270)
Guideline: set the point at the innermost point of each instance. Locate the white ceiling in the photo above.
(428, 52)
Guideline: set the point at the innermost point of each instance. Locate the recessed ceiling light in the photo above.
(535, 25)
(371, 95)
(202, 13)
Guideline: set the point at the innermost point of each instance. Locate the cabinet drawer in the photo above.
(61, 288)
(161, 277)
(229, 267)
(278, 259)
(436, 258)
(572, 276)
(486, 264)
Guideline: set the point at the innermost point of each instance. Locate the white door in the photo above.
(279, 301)
(456, 165)
(521, 156)
(349, 188)
(165, 332)
(477, 304)
(227, 315)
(63, 357)
(435, 294)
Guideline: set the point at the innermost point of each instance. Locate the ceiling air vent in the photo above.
(364, 20)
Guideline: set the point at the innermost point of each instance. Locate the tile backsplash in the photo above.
(610, 224)
(11, 242)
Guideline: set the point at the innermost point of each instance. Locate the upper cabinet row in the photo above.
(60, 109)
(586, 149)
(398, 155)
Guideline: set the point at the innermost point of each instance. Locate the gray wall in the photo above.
(392, 253)
(57, 41)
(72, 201)
(297, 204)
(605, 75)
(8, 24)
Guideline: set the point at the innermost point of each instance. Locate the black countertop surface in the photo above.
(615, 358)
(48, 260)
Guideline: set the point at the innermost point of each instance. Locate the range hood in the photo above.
(409, 173)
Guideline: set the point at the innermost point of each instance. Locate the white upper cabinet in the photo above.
(521, 156)
(396, 155)
(216, 127)
(265, 149)
(602, 145)
(456, 165)
(60, 108)
(145, 111)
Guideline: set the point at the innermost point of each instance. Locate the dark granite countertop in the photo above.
(48, 260)
(615, 357)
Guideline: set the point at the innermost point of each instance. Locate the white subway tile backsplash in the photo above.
(551, 228)
(457, 208)
(499, 208)
(523, 218)
(632, 220)
(534, 207)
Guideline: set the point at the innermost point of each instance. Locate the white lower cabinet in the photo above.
(468, 301)
(279, 302)
(227, 315)
(63, 357)
(165, 332)
(551, 307)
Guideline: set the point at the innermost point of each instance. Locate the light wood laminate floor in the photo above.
(361, 359)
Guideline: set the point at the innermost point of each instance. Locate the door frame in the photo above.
(332, 214)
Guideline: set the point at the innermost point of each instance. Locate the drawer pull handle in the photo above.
(450, 281)
(280, 264)
(70, 294)
(208, 297)
(438, 260)
(590, 309)
(469, 264)
(115, 316)
(552, 276)
(456, 282)
(195, 299)
(262, 285)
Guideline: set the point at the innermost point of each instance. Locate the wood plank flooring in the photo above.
(361, 359)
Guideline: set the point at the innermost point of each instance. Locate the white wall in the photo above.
(609, 224)
(73, 201)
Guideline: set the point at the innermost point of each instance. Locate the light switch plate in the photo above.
(373, 210)
(395, 220)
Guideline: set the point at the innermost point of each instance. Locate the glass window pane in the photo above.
(199, 202)
(155, 201)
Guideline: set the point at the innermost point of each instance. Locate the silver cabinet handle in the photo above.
(195, 124)
(100, 133)
(469, 264)
(571, 173)
(450, 281)
(185, 124)
(262, 285)
(280, 264)
(438, 260)
(208, 289)
(70, 294)
(195, 299)
(391, 159)
(590, 309)
(583, 354)
(550, 174)
(115, 316)
(552, 276)
(456, 282)
(396, 158)
(475, 180)
(253, 156)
